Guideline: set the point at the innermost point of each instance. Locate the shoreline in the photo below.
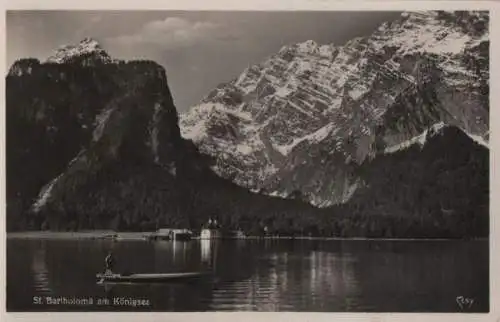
(102, 235)
(142, 236)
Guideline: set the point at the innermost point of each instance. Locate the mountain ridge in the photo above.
(433, 65)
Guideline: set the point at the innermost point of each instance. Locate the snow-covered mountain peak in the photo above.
(87, 47)
(308, 46)
(90, 43)
(303, 117)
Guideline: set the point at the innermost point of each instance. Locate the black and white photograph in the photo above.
(247, 161)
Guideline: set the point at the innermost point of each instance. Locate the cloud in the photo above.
(172, 32)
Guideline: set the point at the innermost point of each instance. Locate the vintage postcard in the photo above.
(220, 160)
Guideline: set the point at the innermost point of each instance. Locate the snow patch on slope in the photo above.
(45, 195)
(422, 139)
(478, 139)
(101, 120)
(422, 32)
(419, 139)
(315, 137)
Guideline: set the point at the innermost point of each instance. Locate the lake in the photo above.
(253, 275)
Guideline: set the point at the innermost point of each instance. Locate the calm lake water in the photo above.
(251, 275)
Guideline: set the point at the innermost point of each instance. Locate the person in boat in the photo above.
(110, 263)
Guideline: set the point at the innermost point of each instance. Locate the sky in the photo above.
(199, 49)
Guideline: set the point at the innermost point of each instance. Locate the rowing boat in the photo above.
(152, 277)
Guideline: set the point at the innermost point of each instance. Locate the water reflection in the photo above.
(206, 250)
(262, 276)
(333, 273)
(271, 290)
(173, 255)
(179, 251)
(274, 279)
(162, 257)
(40, 271)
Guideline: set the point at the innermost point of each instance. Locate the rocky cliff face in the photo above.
(94, 142)
(308, 116)
(69, 119)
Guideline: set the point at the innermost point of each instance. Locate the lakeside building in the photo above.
(208, 233)
(173, 234)
(211, 230)
(239, 234)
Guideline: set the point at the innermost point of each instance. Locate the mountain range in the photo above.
(308, 115)
(384, 136)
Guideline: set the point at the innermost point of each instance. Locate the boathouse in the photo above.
(173, 234)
